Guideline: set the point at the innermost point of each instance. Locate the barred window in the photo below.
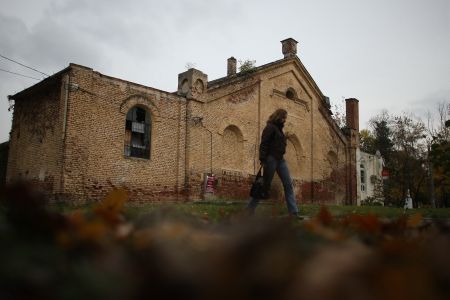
(137, 133)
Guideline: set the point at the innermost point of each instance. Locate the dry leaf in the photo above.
(414, 220)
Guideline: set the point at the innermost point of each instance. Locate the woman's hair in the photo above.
(277, 115)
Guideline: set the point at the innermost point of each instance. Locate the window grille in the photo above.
(137, 127)
(137, 133)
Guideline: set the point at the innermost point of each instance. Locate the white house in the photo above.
(370, 181)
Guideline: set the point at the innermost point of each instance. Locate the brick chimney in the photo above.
(231, 66)
(352, 113)
(289, 47)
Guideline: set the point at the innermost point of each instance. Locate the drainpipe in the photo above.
(67, 85)
(186, 149)
(63, 137)
(66, 99)
(177, 160)
(199, 121)
(258, 134)
(211, 148)
(72, 87)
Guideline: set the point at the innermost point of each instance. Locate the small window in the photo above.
(290, 94)
(137, 133)
(363, 178)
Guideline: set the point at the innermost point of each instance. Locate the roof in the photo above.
(242, 75)
(40, 85)
(211, 84)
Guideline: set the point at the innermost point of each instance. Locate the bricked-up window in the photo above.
(137, 133)
(232, 147)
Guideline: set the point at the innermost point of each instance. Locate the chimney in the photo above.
(289, 47)
(231, 66)
(352, 113)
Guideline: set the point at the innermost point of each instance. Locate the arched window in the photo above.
(137, 133)
(291, 94)
(363, 178)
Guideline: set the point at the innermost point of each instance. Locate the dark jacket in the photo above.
(273, 142)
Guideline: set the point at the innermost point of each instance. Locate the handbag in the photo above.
(258, 190)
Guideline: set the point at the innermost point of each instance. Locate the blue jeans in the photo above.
(280, 166)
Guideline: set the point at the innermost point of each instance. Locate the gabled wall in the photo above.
(231, 116)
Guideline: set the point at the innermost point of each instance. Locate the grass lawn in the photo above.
(217, 210)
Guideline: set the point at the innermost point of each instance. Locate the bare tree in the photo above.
(338, 110)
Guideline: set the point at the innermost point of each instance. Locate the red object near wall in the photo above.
(210, 183)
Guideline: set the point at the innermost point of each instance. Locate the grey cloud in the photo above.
(12, 34)
(385, 53)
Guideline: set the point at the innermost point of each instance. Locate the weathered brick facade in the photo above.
(69, 130)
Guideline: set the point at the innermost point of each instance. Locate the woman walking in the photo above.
(271, 152)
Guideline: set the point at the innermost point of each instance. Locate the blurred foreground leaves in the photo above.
(167, 254)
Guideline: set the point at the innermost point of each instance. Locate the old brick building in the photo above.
(79, 133)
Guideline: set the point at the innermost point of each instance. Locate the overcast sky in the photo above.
(389, 54)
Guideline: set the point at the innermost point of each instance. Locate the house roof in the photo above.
(217, 83)
(242, 75)
(41, 85)
(211, 84)
(57, 76)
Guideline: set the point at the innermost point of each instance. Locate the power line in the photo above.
(24, 65)
(19, 74)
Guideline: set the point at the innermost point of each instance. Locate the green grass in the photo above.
(222, 209)
(218, 210)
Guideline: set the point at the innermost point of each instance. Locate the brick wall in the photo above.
(95, 161)
(215, 128)
(36, 140)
